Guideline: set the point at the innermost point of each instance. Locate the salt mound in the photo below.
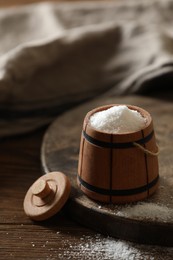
(118, 119)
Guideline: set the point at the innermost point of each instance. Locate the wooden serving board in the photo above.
(148, 222)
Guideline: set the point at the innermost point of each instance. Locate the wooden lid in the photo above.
(47, 196)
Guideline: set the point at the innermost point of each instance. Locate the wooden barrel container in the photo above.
(114, 168)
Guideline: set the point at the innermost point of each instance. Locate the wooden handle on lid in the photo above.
(41, 189)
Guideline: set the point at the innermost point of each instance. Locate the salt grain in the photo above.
(118, 119)
(147, 211)
(100, 247)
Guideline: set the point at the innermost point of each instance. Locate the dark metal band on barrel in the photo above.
(116, 145)
(119, 192)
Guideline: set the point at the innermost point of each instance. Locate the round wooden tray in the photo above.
(148, 222)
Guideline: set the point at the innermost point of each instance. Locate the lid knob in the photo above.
(41, 188)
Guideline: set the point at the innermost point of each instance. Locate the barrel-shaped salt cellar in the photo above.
(112, 168)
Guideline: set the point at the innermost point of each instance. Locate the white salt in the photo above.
(99, 247)
(147, 211)
(118, 119)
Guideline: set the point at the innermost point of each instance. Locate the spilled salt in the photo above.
(100, 247)
(147, 211)
(118, 119)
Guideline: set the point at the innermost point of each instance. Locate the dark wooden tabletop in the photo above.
(21, 238)
(59, 237)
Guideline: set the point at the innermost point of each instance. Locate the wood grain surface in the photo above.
(21, 238)
(60, 152)
(59, 237)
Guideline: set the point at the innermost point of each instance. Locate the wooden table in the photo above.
(59, 237)
(20, 238)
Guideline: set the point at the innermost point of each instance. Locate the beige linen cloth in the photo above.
(54, 56)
